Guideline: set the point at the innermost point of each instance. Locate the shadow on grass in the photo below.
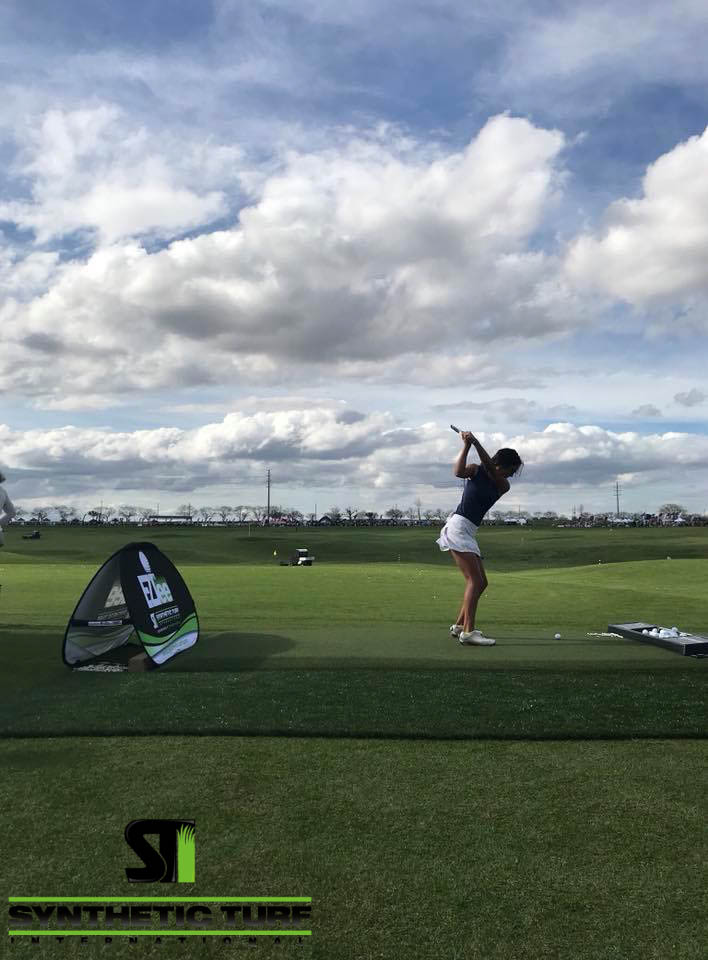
(24, 650)
(226, 652)
(233, 684)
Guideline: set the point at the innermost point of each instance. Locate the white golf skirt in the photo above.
(459, 534)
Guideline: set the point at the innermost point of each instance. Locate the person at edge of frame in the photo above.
(7, 509)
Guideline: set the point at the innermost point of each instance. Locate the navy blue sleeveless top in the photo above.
(480, 493)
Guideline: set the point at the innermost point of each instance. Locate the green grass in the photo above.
(347, 649)
(425, 850)
(536, 799)
(506, 548)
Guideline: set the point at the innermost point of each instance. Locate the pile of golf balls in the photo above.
(664, 632)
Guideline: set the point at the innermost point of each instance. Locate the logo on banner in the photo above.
(155, 589)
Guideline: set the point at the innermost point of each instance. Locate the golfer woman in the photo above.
(485, 483)
(7, 510)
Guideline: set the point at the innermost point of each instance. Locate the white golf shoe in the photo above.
(475, 638)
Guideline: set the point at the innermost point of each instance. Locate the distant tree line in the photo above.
(669, 513)
(224, 514)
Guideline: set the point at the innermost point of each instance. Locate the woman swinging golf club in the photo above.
(485, 483)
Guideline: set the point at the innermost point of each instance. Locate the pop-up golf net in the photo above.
(137, 596)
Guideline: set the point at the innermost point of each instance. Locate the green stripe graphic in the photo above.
(160, 933)
(159, 899)
(186, 855)
(187, 626)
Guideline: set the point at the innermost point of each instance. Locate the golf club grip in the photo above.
(453, 427)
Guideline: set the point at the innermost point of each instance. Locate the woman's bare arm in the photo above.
(460, 469)
(491, 467)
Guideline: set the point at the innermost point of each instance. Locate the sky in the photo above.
(308, 236)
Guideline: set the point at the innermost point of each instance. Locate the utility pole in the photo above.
(268, 507)
(617, 494)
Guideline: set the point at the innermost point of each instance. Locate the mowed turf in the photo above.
(363, 649)
(410, 847)
(504, 547)
(481, 851)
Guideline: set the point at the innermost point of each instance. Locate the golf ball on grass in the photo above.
(557, 636)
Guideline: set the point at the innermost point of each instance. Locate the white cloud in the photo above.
(367, 456)
(581, 37)
(91, 169)
(376, 250)
(24, 275)
(287, 434)
(585, 56)
(567, 454)
(653, 248)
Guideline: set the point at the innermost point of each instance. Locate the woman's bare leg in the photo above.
(472, 569)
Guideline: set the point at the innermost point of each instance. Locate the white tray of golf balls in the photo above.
(671, 637)
(665, 632)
